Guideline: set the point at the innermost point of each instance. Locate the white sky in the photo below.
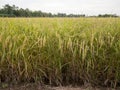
(88, 7)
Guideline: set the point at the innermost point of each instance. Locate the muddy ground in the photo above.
(45, 87)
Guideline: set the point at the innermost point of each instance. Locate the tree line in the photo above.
(14, 11)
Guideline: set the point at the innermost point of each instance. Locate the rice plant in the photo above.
(60, 51)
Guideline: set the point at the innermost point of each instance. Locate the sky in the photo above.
(88, 7)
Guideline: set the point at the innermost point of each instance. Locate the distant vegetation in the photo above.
(14, 11)
(107, 15)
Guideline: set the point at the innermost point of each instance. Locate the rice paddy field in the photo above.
(60, 51)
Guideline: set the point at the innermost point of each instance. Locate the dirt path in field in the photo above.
(39, 87)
